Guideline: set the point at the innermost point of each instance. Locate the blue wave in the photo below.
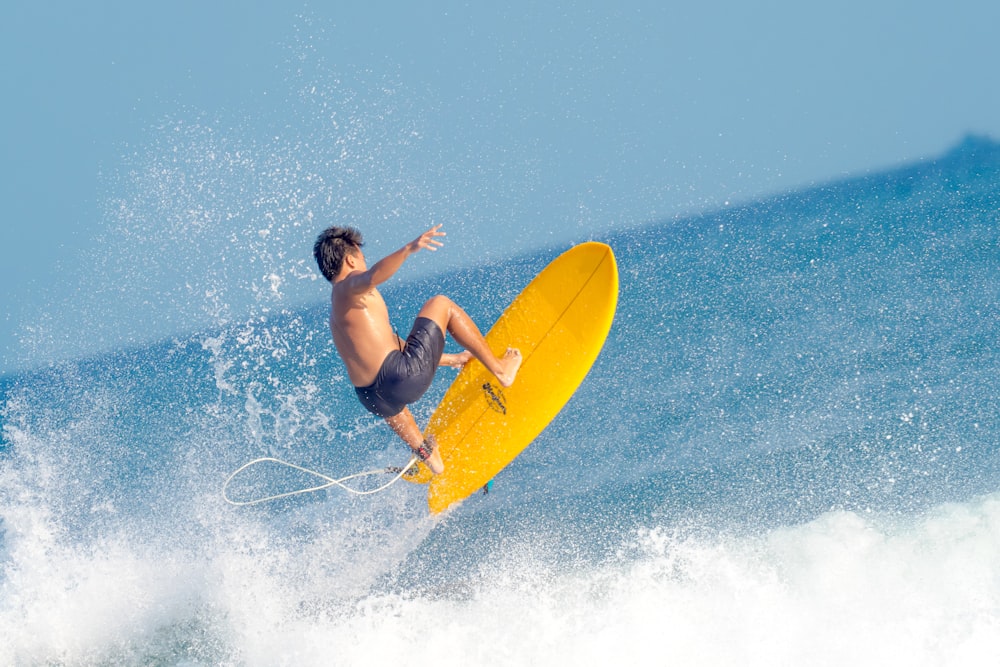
(818, 355)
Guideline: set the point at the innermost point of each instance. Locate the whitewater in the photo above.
(788, 453)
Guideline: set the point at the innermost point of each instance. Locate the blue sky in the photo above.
(160, 155)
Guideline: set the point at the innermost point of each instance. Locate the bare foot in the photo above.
(510, 362)
(434, 461)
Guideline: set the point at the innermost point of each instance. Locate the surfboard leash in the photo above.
(328, 481)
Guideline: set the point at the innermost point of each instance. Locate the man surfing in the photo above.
(387, 372)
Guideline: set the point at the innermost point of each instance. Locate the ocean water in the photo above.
(788, 453)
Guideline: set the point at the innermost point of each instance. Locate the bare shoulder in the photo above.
(354, 286)
(357, 297)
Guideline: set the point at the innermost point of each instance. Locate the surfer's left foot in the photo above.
(429, 454)
(510, 362)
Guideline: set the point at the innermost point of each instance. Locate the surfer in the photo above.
(387, 372)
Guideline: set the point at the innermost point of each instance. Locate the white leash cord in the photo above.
(329, 481)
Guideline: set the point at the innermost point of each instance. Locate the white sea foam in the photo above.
(843, 589)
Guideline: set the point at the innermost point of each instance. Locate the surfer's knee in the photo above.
(439, 301)
(438, 308)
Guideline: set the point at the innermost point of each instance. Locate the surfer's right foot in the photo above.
(510, 362)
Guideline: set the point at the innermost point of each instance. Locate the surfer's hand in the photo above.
(456, 360)
(427, 240)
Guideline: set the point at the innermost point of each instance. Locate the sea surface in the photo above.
(788, 453)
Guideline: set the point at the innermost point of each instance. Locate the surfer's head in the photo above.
(332, 246)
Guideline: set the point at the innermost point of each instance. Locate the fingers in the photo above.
(428, 241)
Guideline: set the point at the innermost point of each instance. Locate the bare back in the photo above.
(361, 331)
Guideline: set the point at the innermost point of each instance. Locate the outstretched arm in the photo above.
(384, 269)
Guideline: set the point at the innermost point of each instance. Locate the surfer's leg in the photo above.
(451, 318)
(406, 428)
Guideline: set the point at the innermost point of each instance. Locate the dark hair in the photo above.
(332, 246)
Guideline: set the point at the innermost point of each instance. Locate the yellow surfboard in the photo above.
(559, 322)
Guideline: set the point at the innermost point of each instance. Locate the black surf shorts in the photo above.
(406, 375)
